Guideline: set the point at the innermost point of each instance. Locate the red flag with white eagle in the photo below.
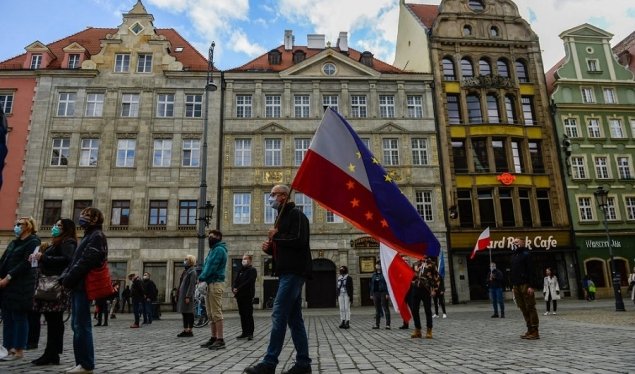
(398, 275)
(482, 242)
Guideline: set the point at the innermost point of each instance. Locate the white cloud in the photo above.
(240, 43)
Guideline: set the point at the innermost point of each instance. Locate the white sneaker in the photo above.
(554, 313)
(435, 316)
(79, 369)
(546, 314)
(445, 315)
(71, 368)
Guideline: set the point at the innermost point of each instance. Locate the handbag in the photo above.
(48, 288)
(98, 283)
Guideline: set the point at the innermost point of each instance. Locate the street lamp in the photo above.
(205, 209)
(601, 196)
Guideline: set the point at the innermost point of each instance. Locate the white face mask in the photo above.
(245, 262)
(273, 203)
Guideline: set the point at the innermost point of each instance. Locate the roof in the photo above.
(91, 37)
(426, 13)
(262, 64)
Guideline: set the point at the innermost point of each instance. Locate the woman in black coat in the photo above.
(17, 282)
(53, 261)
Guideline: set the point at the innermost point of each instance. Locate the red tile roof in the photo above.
(91, 40)
(262, 64)
(427, 13)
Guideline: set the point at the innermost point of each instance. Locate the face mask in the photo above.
(17, 230)
(55, 231)
(342, 272)
(83, 222)
(273, 203)
(186, 264)
(377, 267)
(146, 277)
(213, 241)
(492, 267)
(245, 262)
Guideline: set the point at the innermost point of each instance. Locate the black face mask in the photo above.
(342, 272)
(213, 241)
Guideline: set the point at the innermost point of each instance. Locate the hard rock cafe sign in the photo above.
(506, 178)
(536, 242)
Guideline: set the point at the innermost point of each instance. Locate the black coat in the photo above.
(150, 290)
(18, 294)
(57, 257)
(522, 268)
(136, 290)
(245, 283)
(91, 253)
(291, 250)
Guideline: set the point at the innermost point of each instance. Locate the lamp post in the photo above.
(205, 209)
(601, 196)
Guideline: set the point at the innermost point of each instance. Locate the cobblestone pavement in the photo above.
(582, 338)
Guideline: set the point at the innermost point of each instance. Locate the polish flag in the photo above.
(398, 275)
(482, 242)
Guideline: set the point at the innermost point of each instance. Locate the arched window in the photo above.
(449, 74)
(493, 31)
(467, 30)
(521, 71)
(493, 111)
(484, 68)
(595, 270)
(502, 67)
(467, 71)
(510, 109)
(474, 109)
(620, 268)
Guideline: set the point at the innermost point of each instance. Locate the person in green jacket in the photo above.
(214, 275)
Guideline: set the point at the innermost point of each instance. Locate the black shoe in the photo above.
(502, 315)
(182, 334)
(241, 337)
(297, 369)
(46, 360)
(261, 368)
(347, 325)
(403, 327)
(208, 343)
(250, 337)
(113, 317)
(495, 315)
(218, 344)
(375, 327)
(342, 325)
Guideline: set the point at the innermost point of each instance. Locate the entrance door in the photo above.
(365, 292)
(320, 291)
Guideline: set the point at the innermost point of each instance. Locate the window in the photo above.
(305, 204)
(535, 154)
(454, 109)
(601, 167)
(330, 101)
(162, 153)
(144, 63)
(423, 204)
(89, 152)
(521, 72)
(449, 73)
(391, 151)
(474, 109)
(333, 218)
(273, 152)
(571, 127)
(187, 212)
(60, 151)
(611, 213)
(125, 153)
(94, 104)
(66, 104)
(301, 106)
(476, 5)
(358, 106)
(242, 152)
(122, 63)
(165, 105)
(609, 96)
(270, 213)
(528, 110)
(616, 128)
(120, 213)
(578, 167)
(593, 65)
(158, 213)
(73, 61)
(459, 156)
(130, 105)
(51, 212)
(243, 106)
(506, 201)
(544, 208)
(301, 147)
(193, 106)
(486, 207)
(502, 67)
(510, 109)
(479, 155)
(525, 207)
(467, 71)
(386, 106)
(633, 128)
(585, 209)
(242, 208)
(624, 167)
(329, 69)
(493, 111)
(78, 206)
(272, 106)
(415, 106)
(587, 95)
(6, 103)
(467, 30)
(593, 128)
(493, 31)
(630, 207)
(419, 151)
(484, 68)
(36, 60)
(191, 153)
(500, 155)
(517, 156)
(466, 215)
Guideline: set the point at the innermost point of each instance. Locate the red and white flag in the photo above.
(482, 242)
(398, 275)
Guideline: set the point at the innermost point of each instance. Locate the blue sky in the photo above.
(244, 29)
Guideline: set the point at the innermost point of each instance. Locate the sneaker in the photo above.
(375, 327)
(435, 316)
(218, 344)
(79, 369)
(71, 368)
(445, 315)
(12, 357)
(546, 314)
(554, 313)
(297, 369)
(261, 368)
(388, 327)
(208, 343)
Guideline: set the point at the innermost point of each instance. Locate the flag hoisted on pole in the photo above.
(482, 242)
(398, 275)
(342, 175)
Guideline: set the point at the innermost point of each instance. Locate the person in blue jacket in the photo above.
(379, 295)
(214, 275)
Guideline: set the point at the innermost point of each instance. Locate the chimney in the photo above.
(288, 40)
(316, 41)
(342, 41)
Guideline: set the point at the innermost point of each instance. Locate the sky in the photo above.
(243, 29)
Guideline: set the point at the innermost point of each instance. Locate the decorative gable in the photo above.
(390, 128)
(327, 63)
(272, 128)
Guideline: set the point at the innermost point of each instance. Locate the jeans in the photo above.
(496, 294)
(137, 308)
(381, 306)
(15, 329)
(345, 306)
(147, 311)
(287, 310)
(82, 330)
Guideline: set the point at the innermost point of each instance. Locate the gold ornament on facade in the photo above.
(272, 177)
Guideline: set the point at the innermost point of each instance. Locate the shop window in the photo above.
(595, 270)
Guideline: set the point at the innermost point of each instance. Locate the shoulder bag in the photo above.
(48, 288)
(98, 283)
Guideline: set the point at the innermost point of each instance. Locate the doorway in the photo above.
(321, 290)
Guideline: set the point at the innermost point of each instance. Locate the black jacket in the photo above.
(136, 290)
(57, 257)
(497, 281)
(291, 250)
(18, 294)
(91, 253)
(245, 282)
(346, 283)
(522, 268)
(377, 283)
(150, 290)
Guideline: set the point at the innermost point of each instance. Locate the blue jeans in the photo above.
(81, 323)
(147, 311)
(137, 308)
(15, 329)
(496, 294)
(287, 310)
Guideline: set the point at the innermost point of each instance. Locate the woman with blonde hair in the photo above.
(185, 296)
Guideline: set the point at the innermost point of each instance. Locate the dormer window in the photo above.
(275, 57)
(476, 5)
(73, 61)
(298, 56)
(136, 28)
(366, 58)
(36, 60)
